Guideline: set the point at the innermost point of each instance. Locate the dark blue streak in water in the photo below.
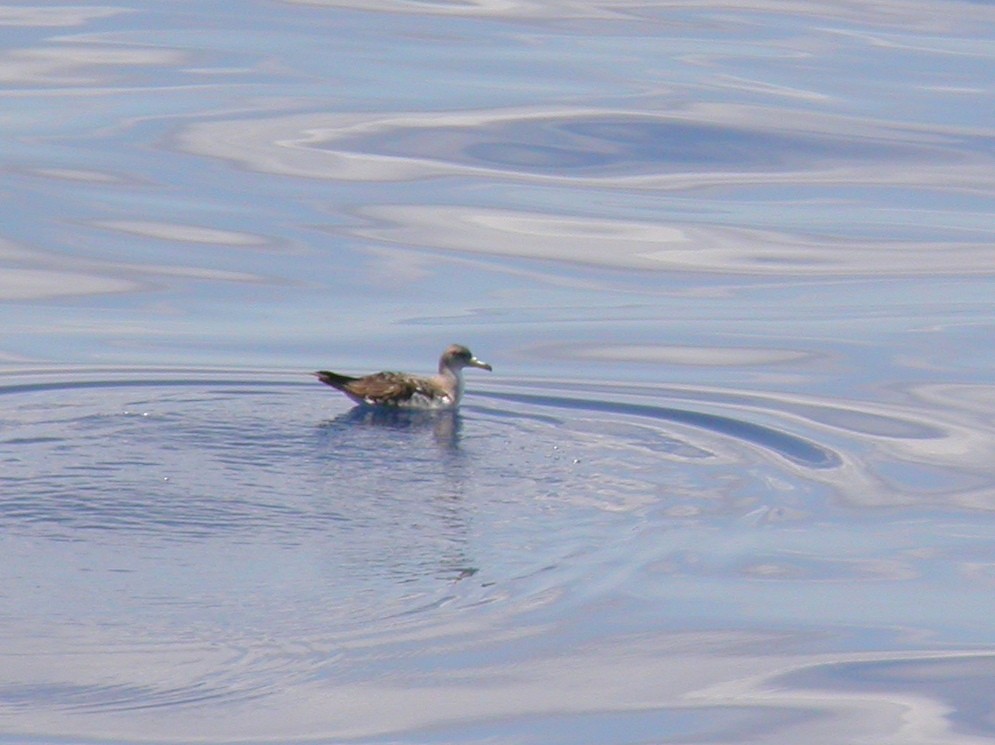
(795, 449)
(789, 446)
(621, 144)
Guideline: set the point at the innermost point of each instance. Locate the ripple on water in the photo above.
(211, 539)
(185, 458)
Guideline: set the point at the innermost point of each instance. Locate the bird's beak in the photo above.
(474, 362)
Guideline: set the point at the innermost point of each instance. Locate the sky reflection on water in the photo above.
(731, 480)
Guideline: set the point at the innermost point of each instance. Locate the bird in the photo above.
(401, 390)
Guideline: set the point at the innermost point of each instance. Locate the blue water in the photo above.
(732, 478)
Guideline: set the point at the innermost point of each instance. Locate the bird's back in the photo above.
(388, 389)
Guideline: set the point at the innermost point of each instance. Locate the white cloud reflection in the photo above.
(36, 284)
(711, 686)
(915, 13)
(498, 8)
(700, 150)
(184, 233)
(77, 174)
(622, 244)
(671, 354)
(78, 64)
(31, 274)
(702, 145)
(56, 16)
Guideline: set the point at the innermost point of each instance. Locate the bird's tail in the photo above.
(334, 379)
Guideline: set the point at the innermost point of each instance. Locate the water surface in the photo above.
(731, 478)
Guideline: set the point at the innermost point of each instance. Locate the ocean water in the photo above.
(731, 480)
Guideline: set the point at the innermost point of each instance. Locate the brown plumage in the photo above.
(400, 389)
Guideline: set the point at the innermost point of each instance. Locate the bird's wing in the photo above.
(392, 388)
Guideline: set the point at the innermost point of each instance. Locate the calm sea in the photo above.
(732, 479)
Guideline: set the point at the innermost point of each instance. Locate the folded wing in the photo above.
(385, 388)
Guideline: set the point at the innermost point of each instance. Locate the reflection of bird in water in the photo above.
(445, 424)
(394, 389)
